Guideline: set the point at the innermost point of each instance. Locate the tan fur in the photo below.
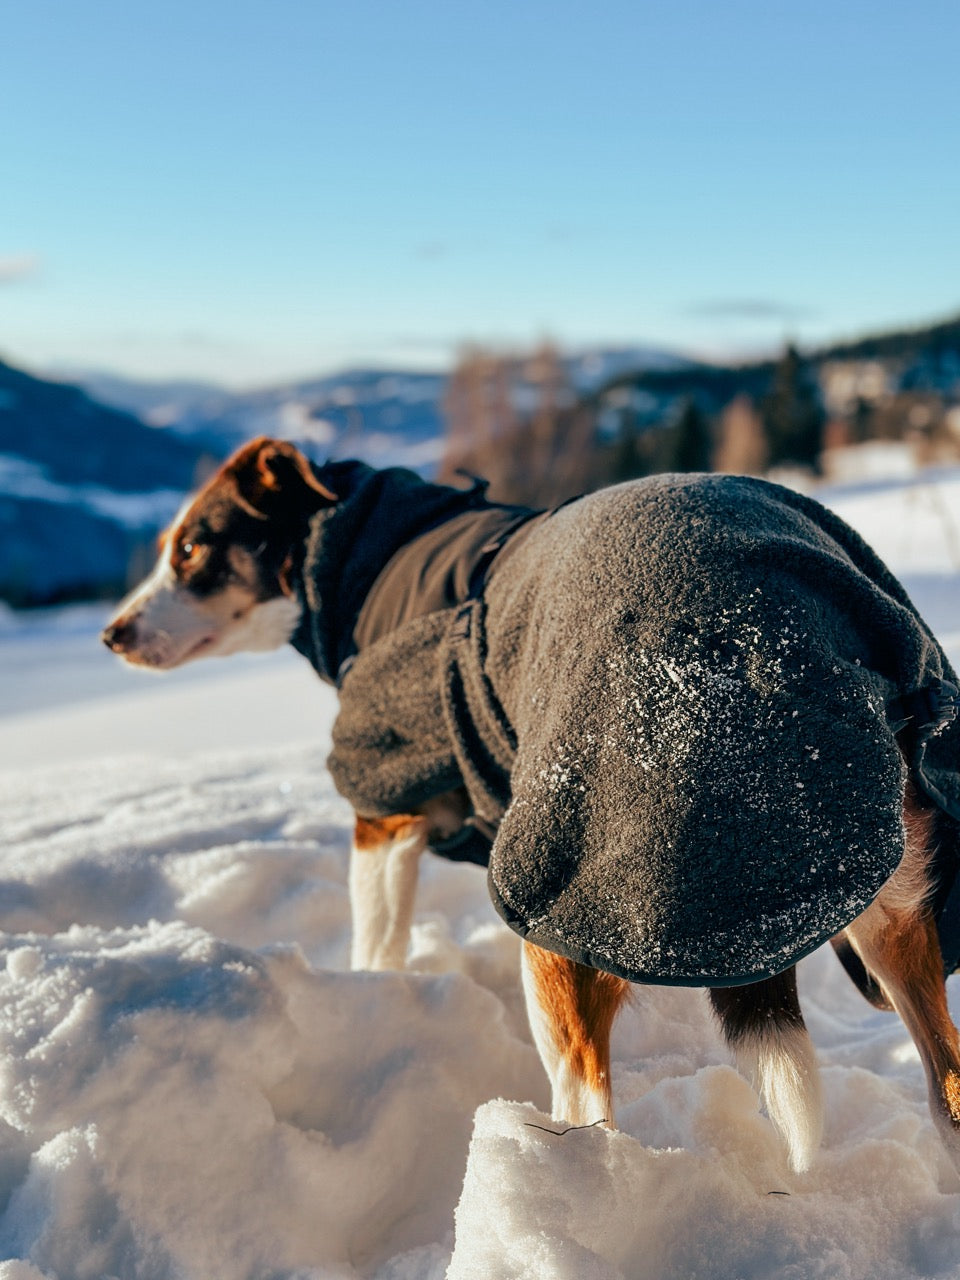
(580, 1004)
(908, 889)
(164, 622)
(376, 833)
(441, 816)
(896, 938)
(951, 1093)
(259, 467)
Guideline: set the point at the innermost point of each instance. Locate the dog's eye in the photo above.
(189, 552)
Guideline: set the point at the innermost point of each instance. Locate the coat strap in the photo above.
(926, 710)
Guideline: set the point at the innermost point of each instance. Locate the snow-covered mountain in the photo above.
(90, 472)
(82, 487)
(87, 476)
(388, 417)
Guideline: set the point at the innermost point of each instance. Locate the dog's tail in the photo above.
(764, 1028)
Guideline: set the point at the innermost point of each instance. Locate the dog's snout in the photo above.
(120, 635)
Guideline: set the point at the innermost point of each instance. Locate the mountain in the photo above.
(388, 417)
(157, 402)
(82, 488)
(915, 362)
(908, 346)
(88, 473)
(79, 441)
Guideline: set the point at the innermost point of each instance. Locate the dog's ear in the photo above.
(272, 475)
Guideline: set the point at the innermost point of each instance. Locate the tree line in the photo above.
(519, 422)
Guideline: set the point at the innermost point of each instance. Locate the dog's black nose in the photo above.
(119, 636)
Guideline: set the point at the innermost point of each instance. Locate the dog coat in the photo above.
(676, 701)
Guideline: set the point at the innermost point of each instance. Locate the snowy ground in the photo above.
(193, 1087)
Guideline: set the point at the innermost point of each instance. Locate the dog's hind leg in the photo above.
(896, 938)
(764, 1027)
(383, 882)
(571, 1010)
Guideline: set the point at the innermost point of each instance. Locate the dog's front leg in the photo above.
(383, 882)
(571, 1010)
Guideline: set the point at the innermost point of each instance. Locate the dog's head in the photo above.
(221, 583)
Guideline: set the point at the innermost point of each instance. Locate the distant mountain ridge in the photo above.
(80, 441)
(385, 416)
(909, 343)
(84, 484)
(82, 487)
(924, 360)
(89, 472)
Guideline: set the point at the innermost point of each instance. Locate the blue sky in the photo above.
(249, 192)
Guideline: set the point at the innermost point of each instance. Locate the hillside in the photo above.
(82, 486)
(921, 359)
(902, 344)
(388, 417)
(79, 441)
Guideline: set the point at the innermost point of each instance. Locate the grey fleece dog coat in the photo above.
(676, 703)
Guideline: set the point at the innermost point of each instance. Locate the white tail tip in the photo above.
(783, 1065)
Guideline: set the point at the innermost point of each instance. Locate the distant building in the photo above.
(846, 383)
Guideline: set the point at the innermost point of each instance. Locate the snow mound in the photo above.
(182, 1093)
(192, 1086)
(178, 1105)
(715, 1200)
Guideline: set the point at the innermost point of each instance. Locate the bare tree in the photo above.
(742, 447)
(519, 424)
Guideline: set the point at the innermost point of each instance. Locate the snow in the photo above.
(23, 478)
(193, 1086)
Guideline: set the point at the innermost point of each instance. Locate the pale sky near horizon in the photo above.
(250, 192)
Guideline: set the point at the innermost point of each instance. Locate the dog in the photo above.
(429, 607)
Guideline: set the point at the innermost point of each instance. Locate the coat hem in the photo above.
(593, 960)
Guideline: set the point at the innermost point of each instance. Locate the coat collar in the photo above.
(348, 545)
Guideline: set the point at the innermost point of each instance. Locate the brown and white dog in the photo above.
(222, 584)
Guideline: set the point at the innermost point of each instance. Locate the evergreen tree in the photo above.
(691, 444)
(624, 459)
(792, 414)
